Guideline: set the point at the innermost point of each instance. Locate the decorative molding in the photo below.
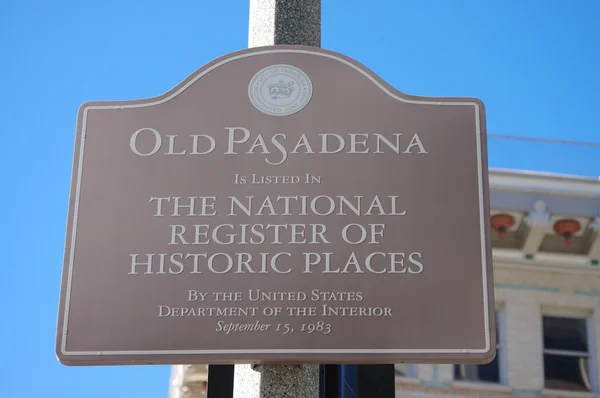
(540, 224)
(554, 269)
(526, 287)
(563, 262)
(517, 215)
(594, 252)
(538, 217)
(535, 182)
(583, 222)
(595, 225)
(586, 293)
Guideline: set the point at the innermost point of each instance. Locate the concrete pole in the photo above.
(276, 381)
(293, 22)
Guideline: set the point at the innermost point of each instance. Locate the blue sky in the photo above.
(534, 64)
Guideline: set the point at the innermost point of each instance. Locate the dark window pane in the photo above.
(565, 334)
(566, 373)
(489, 372)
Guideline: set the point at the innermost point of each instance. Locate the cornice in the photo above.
(548, 183)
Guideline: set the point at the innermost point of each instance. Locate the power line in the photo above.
(546, 140)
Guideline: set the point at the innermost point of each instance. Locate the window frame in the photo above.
(586, 316)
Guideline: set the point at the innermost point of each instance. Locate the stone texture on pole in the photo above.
(293, 22)
(276, 381)
(272, 22)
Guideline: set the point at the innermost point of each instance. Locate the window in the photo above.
(567, 359)
(405, 370)
(491, 372)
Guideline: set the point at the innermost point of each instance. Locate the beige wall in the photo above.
(524, 293)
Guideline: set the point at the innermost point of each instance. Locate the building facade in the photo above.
(546, 251)
(546, 248)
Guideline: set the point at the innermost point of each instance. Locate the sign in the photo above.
(282, 205)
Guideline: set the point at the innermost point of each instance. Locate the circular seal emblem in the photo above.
(280, 90)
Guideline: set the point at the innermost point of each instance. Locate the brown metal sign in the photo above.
(281, 205)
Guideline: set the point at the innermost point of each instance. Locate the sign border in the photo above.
(70, 245)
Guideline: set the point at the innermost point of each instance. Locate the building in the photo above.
(547, 287)
(188, 381)
(546, 250)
